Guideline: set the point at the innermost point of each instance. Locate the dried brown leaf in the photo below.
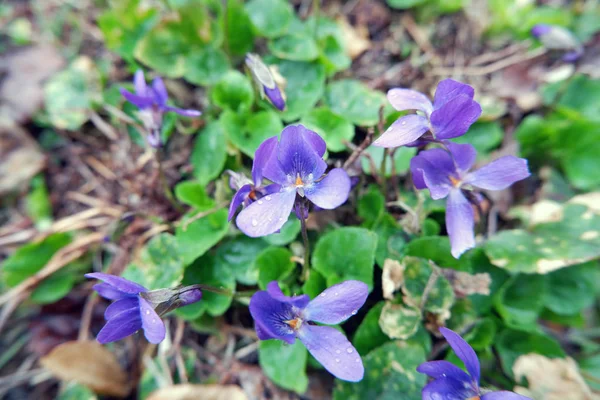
(551, 379)
(20, 158)
(90, 364)
(465, 284)
(199, 392)
(356, 39)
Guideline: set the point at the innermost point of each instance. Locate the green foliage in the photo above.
(197, 237)
(346, 253)
(305, 85)
(354, 101)
(233, 92)
(238, 257)
(284, 364)
(206, 67)
(369, 334)
(273, 264)
(271, 18)
(390, 373)
(209, 153)
(335, 130)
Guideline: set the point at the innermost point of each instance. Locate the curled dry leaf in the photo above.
(90, 364)
(197, 392)
(20, 158)
(392, 278)
(465, 284)
(551, 379)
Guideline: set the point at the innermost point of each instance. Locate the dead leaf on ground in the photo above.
(20, 158)
(199, 392)
(22, 90)
(392, 278)
(551, 379)
(90, 364)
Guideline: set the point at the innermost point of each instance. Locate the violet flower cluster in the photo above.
(296, 167)
(278, 316)
(450, 115)
(152, 104)
(446, 173)
(135, 307)
(452, 383)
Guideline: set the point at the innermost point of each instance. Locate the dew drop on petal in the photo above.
(260, 202)
(403, 123)
(337, 360)
(349, 350)
(268, 198)
(336, 293)
(281, 218)
(354, 312)
(254, 222)
(147, 311)
(153, 320)
(337, 352)
(357, 359)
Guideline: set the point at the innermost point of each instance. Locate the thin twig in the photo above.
(488, 69)
(357, 150)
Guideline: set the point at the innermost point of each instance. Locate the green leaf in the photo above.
(572, 238)
(417, 274)
(273, 264)
(160, 265)
(404, 4)
(371, 206)
(314, 285)
(209, 153)
(402, 157)
(39, 208)
(284, 364)
(390, 374)
(288, 232)
(193, 193)
(71, 94)
(354, 101)
(53, 288)
(258, 127)
(333, 55)
(399, 321)
(369, 334)
(391, 239)
(521, 300)
(206, 66)
(238, 256)
(32, 257)
(334, 129)
(233, 92)
(346, 253)
(569, 288)
(164, 49)
(240, 33)
(434, 248)
(484, 136)
(295, 47)
(305, 86)
(207, 271)
(271, 18)
(197, 237)
(511, 344)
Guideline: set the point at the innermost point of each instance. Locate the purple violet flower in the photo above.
(278, 316)
(152, 102)
(446, 174)
(137, 308)
(295, 164)
(452, 383)
(265, 81)
(555, 37)
(249, 191)
(452, 113)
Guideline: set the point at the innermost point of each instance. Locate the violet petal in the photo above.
(160, 92)
(298, 153)
(504, 395)
(182, 111)
(499, 174)
(118, 283)
(238, 199)
(270, 315)
(431, 169)
(403, 131)
(333, 350)
(261, 157)
(120, 326)
(139, 83)
(108, 292)
(464, 351)
(297, 301)
(337, 303)
(460, 223)
(154, 327)
(138, 101)
(407, 99)
(121, 305)
(464, 156)
(275, 97)
(448, 389)
(442, 369)
(330, 192)
(266, 215)
(455, 117)
(449, 89)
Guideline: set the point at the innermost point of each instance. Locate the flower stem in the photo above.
(306, 264)
(163, 181)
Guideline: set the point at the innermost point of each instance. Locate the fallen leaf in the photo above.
(399, 321)
(90, 364)
(392, 278)
(20, 158)
(199, 392)
(551, 379)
